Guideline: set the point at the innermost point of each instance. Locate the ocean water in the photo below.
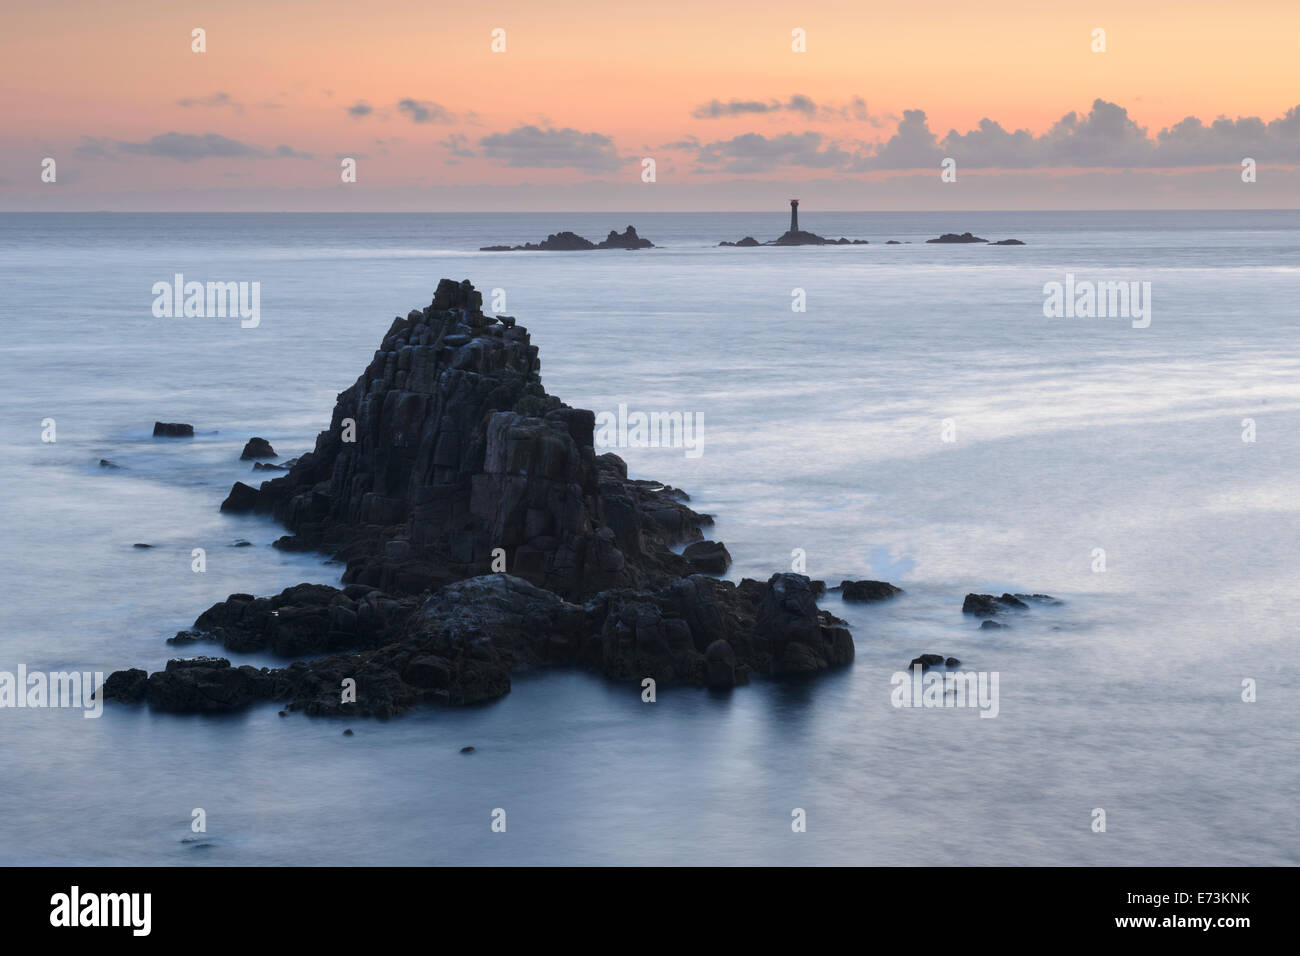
(823, 433)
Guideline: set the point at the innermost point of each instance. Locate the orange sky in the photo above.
(630, 71)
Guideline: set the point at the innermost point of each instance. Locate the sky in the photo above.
(572, 104)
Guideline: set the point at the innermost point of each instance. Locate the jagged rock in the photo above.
(627, 240)
(257, 448)
(269, 466)
(868, 590)
(743, 243)
(455, 450)
(953, 237)
(460, 451)
(172, 430)
(707, 557)
(572, 242)
(926, 661)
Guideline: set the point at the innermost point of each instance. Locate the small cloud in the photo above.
(359, 109)
(532, 146)
(425, 111)
(190, 148)
(457, 145)
(93, 147)
(215, 100)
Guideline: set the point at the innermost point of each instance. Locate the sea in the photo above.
(914, 413)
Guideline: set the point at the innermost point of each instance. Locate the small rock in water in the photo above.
(868, 590)
(348, 732)
(106, 463)
(139, 545)
(283, 714)
(257, 448)
(991, 625)
(241, 543)
(172, 430)
(467, 750)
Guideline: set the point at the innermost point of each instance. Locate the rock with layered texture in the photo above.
(459, 451)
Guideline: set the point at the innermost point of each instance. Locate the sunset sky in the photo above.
(585, 90)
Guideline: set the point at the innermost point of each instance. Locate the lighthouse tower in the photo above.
(794, 215)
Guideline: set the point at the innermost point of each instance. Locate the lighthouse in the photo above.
(794, 215)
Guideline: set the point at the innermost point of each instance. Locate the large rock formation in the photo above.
(447, 453)
(445, 464)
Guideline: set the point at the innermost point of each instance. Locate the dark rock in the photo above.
(106, 463)
(627, 240)
(467, 750)
(348, 732)
(241, 543)
(892, 242)
(128, 685)
(141, 545)
(257, 448)
(461, 452)
(268, 466)
(952, 662)
(953, 237)
(206, 685)
(1007, 242)
(986, 605)
(991, 625)
(868, 590)
(172, 430)
(926, 661)
(707, 557)
(572, 242)
(1040, 599)
(720, 662)
(242, 497)
(743, 243)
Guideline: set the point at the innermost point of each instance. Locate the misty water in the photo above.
(823, 431)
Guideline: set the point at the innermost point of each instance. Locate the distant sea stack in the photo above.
(572, 242)
(794, 236)
(482, 534)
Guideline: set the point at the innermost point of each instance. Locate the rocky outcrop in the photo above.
(628, 239)
(172, 430)
(445, 462)
(743, 243)
(1007, 242)
(926, 661)
(461, 644)
(572, 242)
(949, 237)
(257, 448)
(447, 454)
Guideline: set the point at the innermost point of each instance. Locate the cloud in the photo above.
(756, 153)
(190, 148)
(550, 148)
(216, 99)
(1104, 137)
(93, 147)
(359, 109)
(425, 111)
(457, 145)
(799, 104)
